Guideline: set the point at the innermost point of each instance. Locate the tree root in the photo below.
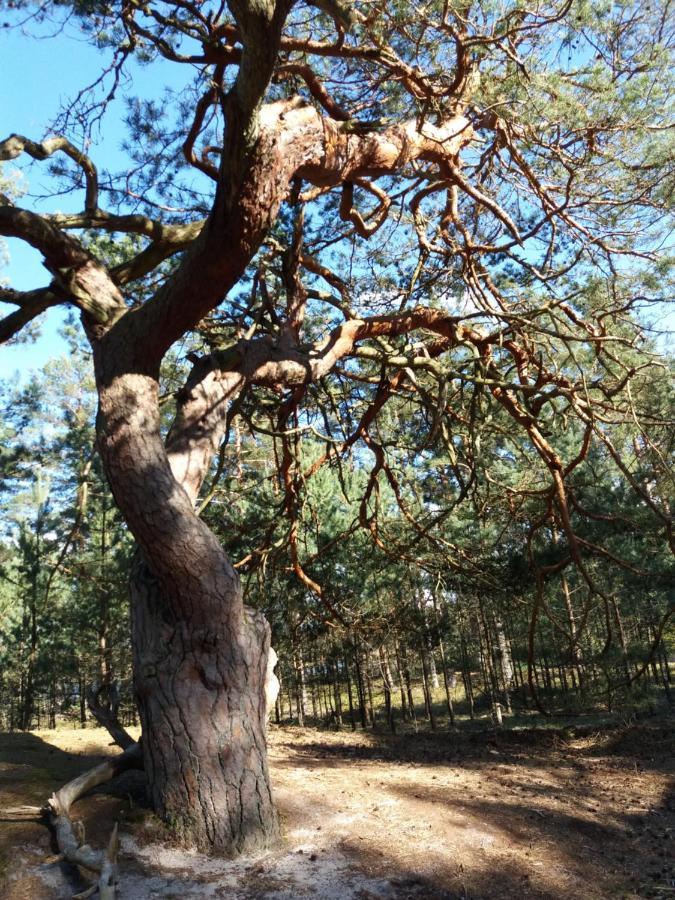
(70, 836)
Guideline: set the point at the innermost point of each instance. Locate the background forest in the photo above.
(426, 615)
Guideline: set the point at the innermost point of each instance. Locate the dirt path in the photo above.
(530, 815)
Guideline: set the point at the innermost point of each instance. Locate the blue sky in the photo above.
(29, 102)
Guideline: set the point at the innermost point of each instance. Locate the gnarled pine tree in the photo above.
(516, 158)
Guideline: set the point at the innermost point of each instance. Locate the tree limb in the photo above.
(106, 715)
(30, 303)
(76, 272)
(16, 144)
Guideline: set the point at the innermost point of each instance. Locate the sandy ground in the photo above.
(530, 814)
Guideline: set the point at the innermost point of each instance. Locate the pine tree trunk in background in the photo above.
(505, 664)
(447, 678)
(664, 662)
(201, 697)
(428, 699)
(360, 687)
(52, 701)
(653, 663)
(487, 659)
(448, 683)
(289, 695)
(468, 686)
(548, 680)
(336, 694)
(300, 686)
(388, 686)
(30, 625)
(82, 688)
(315, 694)
(665, 672)
(576, 655)
(408, 683)
(350, 698)
(563, 679)
(401, 682)
(622, 640)
(370, 706)
(433, 671)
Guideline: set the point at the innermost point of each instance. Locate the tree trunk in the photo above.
(505, 663)
(200, 658)
(82, 688)
(300, 686)
(448, 679)
(388, 686)
(428, 699)
(401, 683)
(350, 699)
(336, 693)
(403, 652)
(575, 651)
(360, 686)
(201, 697)
(466, 677)
(622, 640)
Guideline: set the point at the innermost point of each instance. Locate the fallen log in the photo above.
(70, 837)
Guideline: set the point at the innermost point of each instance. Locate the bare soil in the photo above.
(522, 814)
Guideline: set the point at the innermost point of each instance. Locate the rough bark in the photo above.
(203, 707)
(200, 658)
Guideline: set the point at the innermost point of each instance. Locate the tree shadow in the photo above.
(652, 743)
(31, 769)
(548, 815)
(613, 855)
(523, 819)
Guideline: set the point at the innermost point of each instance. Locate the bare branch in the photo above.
(13, 146)
(30, 303)
(106, 713)
(70, 840)
(316, 88)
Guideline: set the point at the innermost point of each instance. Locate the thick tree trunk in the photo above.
(200, 657)
(201, 696)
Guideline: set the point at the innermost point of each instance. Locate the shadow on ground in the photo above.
(537, 814)
(33, 766)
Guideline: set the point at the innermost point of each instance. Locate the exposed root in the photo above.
(70, 836)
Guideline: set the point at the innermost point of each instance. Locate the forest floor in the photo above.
(574, 813)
